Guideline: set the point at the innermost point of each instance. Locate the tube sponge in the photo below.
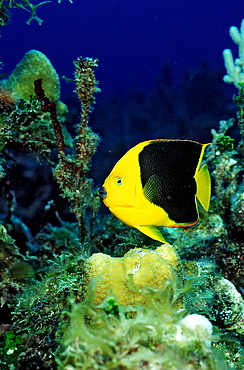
(126, 277)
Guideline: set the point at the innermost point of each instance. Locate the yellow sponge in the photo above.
(147, 267)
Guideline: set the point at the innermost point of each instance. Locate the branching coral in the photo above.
(235, 69)
(7, 5)
(71, 170)
(239, 100)
(235, 74)
(50, 107)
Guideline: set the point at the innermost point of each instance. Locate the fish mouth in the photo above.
(104, 196)
(102, 193)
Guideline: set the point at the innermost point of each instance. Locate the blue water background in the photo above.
(134, 40)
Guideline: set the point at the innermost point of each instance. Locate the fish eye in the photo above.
(119, 181)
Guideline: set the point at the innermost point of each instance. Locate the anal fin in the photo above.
(152, 232)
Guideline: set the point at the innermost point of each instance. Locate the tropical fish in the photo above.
(156, 183)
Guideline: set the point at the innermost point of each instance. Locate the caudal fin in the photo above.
(203, 186)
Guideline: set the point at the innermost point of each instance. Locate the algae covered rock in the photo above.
(21, 270)
(228, 308)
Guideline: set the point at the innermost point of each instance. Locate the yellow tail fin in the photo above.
(203, 186)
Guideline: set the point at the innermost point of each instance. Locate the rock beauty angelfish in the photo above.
(156, 183)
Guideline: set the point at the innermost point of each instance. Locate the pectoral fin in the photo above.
(152, 232)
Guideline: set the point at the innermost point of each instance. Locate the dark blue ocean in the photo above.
(160, 64)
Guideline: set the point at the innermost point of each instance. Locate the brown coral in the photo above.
(6, 100)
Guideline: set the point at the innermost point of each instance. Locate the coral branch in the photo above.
(48, 106)
(86, 87)
(71, 170)
(235, 68)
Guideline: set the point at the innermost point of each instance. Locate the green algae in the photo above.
(138, 337)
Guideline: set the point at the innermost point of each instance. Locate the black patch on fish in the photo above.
(167, 169)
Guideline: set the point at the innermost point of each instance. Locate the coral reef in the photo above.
(125, 277)
(22, 123)
(228, 159)
(38, 313)
(25, 125)
(214, 296)
(134, 305)
(8, 257)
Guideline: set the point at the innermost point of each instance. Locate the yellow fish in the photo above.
(156, 183)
